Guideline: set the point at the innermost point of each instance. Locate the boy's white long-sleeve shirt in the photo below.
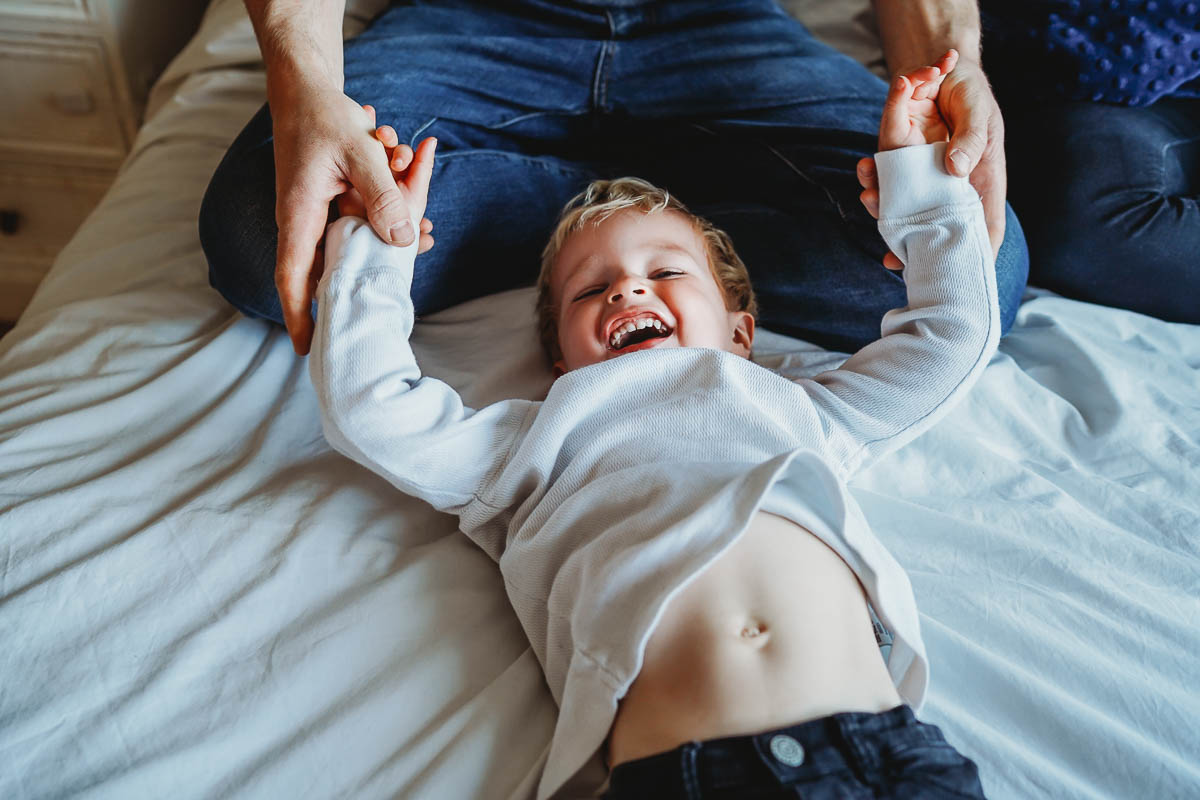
(600, 502)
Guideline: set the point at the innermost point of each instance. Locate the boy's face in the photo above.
(648, 271)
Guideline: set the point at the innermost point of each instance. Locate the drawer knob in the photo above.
(10, 220)
(75, 101)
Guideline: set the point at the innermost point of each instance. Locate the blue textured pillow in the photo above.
(1112, 51)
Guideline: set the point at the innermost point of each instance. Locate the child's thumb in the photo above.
(387, 210)
(894, 124)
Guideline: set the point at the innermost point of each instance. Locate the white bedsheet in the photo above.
(198, 598)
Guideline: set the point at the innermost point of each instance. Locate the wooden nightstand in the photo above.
(74, 76)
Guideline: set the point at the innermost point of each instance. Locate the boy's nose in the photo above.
(616, 296)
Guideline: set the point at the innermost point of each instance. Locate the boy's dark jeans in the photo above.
(844, 756)
(731, 105)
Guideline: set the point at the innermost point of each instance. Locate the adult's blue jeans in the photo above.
(732, 106)
(1110, 200)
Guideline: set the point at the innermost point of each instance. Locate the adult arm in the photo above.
(324, 144)
(916, 32)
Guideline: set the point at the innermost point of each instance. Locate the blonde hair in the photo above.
(604, 198)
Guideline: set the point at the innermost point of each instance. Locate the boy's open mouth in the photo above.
(633, 332)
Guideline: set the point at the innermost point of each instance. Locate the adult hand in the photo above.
(977, 141)
(405, 164)
(324, 145)
(976, 148)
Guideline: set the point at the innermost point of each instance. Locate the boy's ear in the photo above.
(743, 332)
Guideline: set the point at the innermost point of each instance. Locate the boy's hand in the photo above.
(910, 113)
(410, 170)
(910, 117)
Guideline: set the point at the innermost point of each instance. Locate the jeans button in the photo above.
(787, 750)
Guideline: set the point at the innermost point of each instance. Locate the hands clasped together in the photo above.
(911, 116)
(411, 172)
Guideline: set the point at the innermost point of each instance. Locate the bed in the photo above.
(199, 598)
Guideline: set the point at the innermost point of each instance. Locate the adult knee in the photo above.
(1130, 250)
(1012, 269)
(237, 226)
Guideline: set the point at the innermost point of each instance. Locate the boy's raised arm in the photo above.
(933, 349)
(376, 406)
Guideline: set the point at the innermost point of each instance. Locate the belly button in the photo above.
(754, 630)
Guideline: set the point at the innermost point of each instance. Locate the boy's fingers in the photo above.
(402, 156)
(426, 244)
(865, 170)
(387, 135)
(892, 261)
(893, 127)
(421, 171)
(870, 201)
(929, 89)
(923, 74)
(426, 226)
(370, 112)
(947, 62)
(929, 79)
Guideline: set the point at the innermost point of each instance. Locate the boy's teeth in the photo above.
(627, 328)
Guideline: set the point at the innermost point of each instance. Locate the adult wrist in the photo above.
(916, 33)
(295, 72)
(300, 41)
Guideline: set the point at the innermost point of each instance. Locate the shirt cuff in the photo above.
(351, 245)
(914, 179)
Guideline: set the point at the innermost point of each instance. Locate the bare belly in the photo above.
(775, 632)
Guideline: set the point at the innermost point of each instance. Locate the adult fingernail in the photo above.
(401, 233)
(960, 161)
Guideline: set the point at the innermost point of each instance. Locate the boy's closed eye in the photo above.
(658, 275)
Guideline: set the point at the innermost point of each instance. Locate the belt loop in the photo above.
(862, 763)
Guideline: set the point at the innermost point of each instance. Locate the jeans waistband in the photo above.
(824, 749)
(634, 12)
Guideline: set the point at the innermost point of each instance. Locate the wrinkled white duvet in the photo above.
(198, 598)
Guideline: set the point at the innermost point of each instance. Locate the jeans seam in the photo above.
(535, 115)
(691, 780)
(1162, 162)
(413, 140)
(841, 211)
(600, 80)
(799, 172)
(538, 162)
